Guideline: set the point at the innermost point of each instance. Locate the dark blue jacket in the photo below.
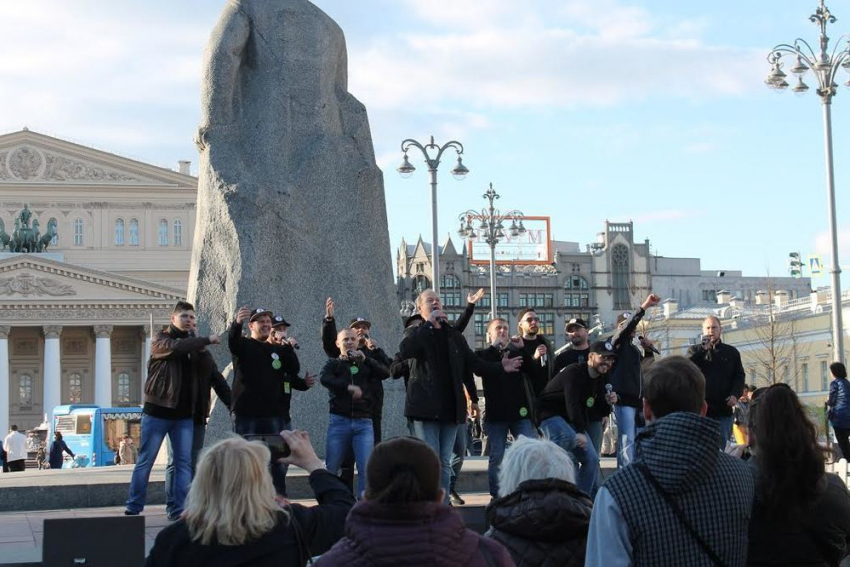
(839, 403)
(55, 455)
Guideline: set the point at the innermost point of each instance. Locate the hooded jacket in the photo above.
(543, 523)
(715, 492)
(417, 534)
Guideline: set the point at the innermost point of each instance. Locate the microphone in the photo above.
(650, 347)
(544, 358)
(609, 388)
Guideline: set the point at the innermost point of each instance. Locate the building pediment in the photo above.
(31, 158)
(28, 280)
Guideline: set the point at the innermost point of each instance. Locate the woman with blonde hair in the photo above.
(232, 518)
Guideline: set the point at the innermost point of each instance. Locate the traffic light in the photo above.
(795, 266)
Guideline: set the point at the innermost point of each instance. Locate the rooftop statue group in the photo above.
(26, 238)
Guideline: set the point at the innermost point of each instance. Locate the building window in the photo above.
(75, 388)
(503, 299)
(123, 388)
(420, 284)
(163, 232)
(25, 392)
(78, 232)
(53, 226)
(804, 370)
(119, 232)
(547, 323)
(485, 300)
(134, 232)
(575, 283)
(449, 281)
(481, 320)
(620, 276)
(178, 232)
(451, 298)
(824, 375)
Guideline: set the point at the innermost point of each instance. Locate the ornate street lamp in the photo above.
(824, 66)
(459, 172)
(492, 228)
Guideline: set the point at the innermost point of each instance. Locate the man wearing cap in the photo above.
(571, 408)
(280, 336)
(538, 354)
(509, 397)
(260, 370)
(627, 377)
(578, 346)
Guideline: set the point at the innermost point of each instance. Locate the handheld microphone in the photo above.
(650, 347)
(609, 388)
(544, 358)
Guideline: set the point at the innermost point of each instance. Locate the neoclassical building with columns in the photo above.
(75, 320)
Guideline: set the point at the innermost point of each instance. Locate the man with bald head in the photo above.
(444, 365)
(724, 375)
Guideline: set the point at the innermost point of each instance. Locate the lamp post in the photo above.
(824, 65)
(493, 230)
(459, 172)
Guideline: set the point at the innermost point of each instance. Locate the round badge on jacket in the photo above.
(590, 402)
(354, 369)
(276, 364)
(523, 412)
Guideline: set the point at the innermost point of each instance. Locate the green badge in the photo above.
(590, 402)
(354, 369)
(523, 412)
(287, 388)
(276, 364)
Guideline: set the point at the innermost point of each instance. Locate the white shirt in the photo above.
(15, 445)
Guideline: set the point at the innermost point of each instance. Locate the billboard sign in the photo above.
(534, 246)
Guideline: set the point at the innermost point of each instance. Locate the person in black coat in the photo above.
(232, 517)
(56, 449)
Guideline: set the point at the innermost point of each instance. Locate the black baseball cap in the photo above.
(576, 322)
(259, 312)
(604, 348)
(357, 321)
(279, 321)
(412, 319)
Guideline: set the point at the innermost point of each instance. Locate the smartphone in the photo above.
(277, 445)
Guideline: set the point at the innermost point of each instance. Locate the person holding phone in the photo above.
(724, 375)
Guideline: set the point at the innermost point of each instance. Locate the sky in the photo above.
(653, 111)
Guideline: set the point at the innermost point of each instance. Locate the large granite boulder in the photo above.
(291, 204)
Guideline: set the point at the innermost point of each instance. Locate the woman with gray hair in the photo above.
(541, 517)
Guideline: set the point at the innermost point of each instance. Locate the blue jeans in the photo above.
(440, 436)
(497, 435)
(198, 433)
(154, 430)
(560, 433)
(458, 454)
(594, 431)
(626, 432)
(725, 429)
(266, 426)
(345, 433)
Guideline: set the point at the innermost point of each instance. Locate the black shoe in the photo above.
(455, 499)
(129, 513)
(173, 517)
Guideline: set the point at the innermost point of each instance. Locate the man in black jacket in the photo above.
(349, 379)
(724, 375)
(260, 370)
(537, 350)
(443, 366)
(171, 391)
(572, 401)
(579, 347)
(510, 400)
(627, 378)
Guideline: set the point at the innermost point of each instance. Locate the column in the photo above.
(4, 378)
(146, 353)
(52, 371)
(103, 366)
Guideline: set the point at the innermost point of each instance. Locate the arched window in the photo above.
(450, 281)
(25, 392)
(134, 232)
(78, 232)
(163, 232)
(119, 232)
(575, 282)
(620, 276)
(53, 226)
(75, 388)
(178, 232)
(123, 388)
(420, 284)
